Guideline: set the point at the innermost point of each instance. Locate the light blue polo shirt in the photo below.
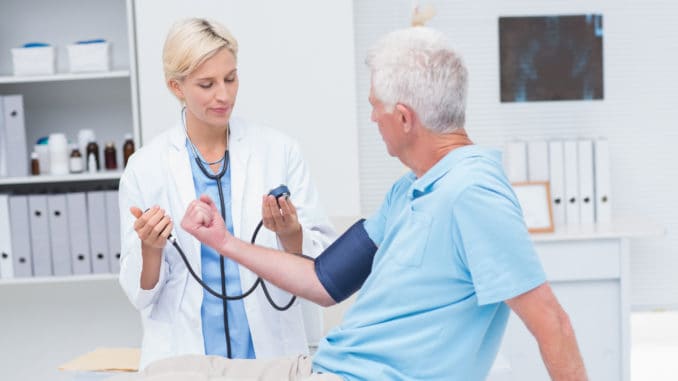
(452, 247)
(211, 311)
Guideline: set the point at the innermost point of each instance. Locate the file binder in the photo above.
(113, 216)
(557, 182)
(58, 232)
(21, 236)
(40, 241)
(538, 160)
(13, 150)
(586, 197)
(515, 161)
(78, 231)
(6, 265)
(603, 207)
(571, 157)
(98, 224)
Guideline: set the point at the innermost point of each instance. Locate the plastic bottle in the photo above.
(127, 149)
(58, 154)
(93, 149)
(110, 159)
(91, 163)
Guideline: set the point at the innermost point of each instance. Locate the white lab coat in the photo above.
(160, 174)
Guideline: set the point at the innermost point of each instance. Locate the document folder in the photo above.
(13, 148)
(6, 265)
(98, 224)
(602, 181)
(21, 236)
(586, 197)
(113, 216)
(58, 231)
(78, 231)
(515, 161)
(557, 182)
(41, 248)
(572, 211)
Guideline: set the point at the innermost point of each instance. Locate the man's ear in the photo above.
(406, 116)
(175, 87)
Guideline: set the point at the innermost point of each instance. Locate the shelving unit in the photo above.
(49, 320)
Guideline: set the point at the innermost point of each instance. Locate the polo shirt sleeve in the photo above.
(375, 225)
(493, 241)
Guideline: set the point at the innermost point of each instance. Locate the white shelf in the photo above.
(59, 279)
(617, 229)
(49, 179)
(65, 77)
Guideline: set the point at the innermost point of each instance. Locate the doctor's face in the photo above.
(210, 90)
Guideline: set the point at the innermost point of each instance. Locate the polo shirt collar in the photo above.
(424, 184)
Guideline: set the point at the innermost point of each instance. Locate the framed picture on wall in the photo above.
(551, 58)
(535, 200)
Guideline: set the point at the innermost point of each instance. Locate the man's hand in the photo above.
(203, 221)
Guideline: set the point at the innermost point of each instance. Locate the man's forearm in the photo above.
(290, 272)
(560, 352)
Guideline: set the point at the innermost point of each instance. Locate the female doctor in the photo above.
(205, 147)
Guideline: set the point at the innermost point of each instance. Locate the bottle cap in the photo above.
(34, 155)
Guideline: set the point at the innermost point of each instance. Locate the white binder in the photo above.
(13, 151)
(78, 231)
(41, 248)
(98, 238)
(515, 161)
(537, 160)
(113, 216)
(557, 182)
(586, 197)
(58, 232)
(601, 161)
(21, 236)
(571, 182)
(6, 265)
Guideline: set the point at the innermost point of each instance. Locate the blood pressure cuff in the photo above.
(343, 267)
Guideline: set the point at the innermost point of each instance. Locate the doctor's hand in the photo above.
(282, 220)
(153, 226)
(203, 221)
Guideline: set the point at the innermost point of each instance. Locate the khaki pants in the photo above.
(215, 368)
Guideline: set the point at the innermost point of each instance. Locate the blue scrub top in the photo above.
(212, 312)
(452, 247)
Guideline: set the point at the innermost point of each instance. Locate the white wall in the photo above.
(296, 74)
(639, 114)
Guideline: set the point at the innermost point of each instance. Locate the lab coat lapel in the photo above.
(239, 151)
(180, 169)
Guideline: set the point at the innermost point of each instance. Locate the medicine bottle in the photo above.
(93, 150)
(75, 162)
(127, 149)
(110, 159)
(35, 163)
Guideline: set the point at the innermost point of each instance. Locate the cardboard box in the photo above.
(34, 61)
(89, 57)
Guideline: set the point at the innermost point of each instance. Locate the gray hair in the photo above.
(416, 67)
(192, 41)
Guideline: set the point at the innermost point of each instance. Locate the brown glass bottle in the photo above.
(35, 164)
(110, 159)
(127, 149)
(93, 148)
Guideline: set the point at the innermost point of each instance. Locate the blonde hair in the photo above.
(190, 42)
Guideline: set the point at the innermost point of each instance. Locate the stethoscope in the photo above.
(281, 191)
